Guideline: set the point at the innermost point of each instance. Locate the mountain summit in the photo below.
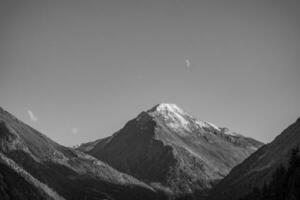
(173, 151)
(176, 118)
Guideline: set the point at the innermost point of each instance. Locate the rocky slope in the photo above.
(47, 170)
(16, 183)
(173, 151)
(259, 167)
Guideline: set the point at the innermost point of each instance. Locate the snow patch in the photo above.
(213, 126)
(201, 124)
(163, 107)
(231, 133)
(253, 148)
(173, 116)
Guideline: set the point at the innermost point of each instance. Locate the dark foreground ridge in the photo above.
(284, 184)
(33, 166)
(258, 170)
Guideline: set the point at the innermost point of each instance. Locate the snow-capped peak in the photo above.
(168, 107)
(170, 115)
(175, 117)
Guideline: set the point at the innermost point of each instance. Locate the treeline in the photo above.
(284, 185)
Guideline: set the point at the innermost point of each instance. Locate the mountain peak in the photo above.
(166, 107)
(174, 117)
(170, 115)
(165, 143)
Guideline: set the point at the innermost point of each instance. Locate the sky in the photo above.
(79, 70)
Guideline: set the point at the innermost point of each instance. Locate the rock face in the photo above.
(44, 169)
(172, 151)
(259, 167)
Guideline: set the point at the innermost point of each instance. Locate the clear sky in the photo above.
(79, 70)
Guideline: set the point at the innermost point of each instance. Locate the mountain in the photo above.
(284, 184)
(172, 151)
(258, 169)
(32, 166)
(16, 183)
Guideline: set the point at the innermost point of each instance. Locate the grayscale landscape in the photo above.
(149, 100)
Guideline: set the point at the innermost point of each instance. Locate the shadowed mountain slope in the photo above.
(56, 171)
(259, 167)
(17, 184)
(173, 151)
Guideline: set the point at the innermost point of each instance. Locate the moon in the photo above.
(188, 63)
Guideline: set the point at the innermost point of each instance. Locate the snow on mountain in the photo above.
(169, 149)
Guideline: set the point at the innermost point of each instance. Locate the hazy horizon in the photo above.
(79, 70)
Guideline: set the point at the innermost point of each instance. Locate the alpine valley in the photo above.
(162, 154)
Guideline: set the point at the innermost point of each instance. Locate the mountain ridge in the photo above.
(70, 173)
(171, 150)
(258, 168)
